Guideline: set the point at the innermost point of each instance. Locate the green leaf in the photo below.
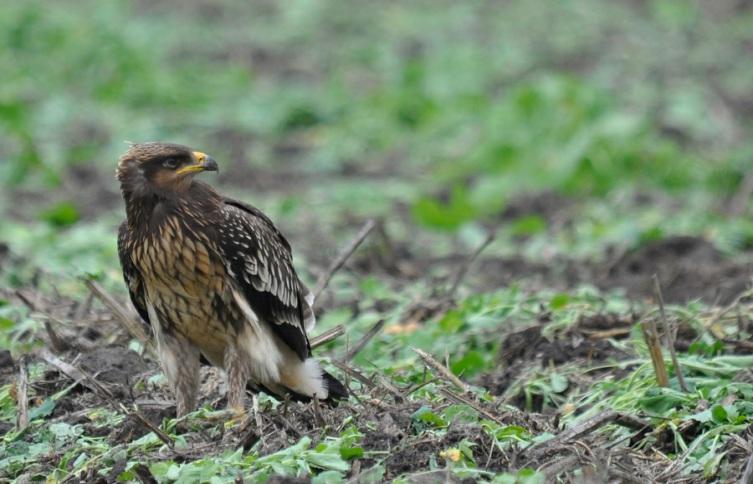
(61, 215)
(523, 476)
(529, 225)
(559, 301)
(530, 476)
(159, 469)
(426, 415)
(126, 476)
(660, 400)
(651, 235)
(173, 472)
(351, 452)
(373, 287)
(452, 321)
(445, 215)
(63, 431)
(328, 460)
(302, 116)
(460, 413)
(327, 477)
(558, 382)
(43, 410)
(719, 414)
(375, 475)
(711, 466)
(703, 417)
(470, 364)
(732, 413)
(6, 324)
(508, 432)
(466, 448)
(80, 460)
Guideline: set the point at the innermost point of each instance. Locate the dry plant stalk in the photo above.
(134, 328)
(58, 343)
(712, 324)
(22, 397)
(747, 477)
(327, 336)
(352, 372)
(344, 255)
(323, 281)
(588, 426)
(651, 336)
(443, 371)
(78, 375)
(463, 270)
(363, 341)
(670, 331)
(450, 395)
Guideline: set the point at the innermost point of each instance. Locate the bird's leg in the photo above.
(237, 377)
(257, 416)
(180, 362)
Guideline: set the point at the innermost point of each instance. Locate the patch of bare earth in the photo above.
(688, 268)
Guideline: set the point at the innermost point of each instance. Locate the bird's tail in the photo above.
(335, 390)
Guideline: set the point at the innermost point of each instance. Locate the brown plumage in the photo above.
(213, 276)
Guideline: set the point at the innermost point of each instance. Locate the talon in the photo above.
(237, 417)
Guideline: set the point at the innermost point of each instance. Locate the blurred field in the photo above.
(599, 142)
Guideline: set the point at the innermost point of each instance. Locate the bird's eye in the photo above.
(170, 163)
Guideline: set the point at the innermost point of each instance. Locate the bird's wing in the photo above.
(131, 275)
(259, 260)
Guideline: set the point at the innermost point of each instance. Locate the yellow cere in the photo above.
(199, 166)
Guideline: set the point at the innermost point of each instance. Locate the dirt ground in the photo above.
(689, 268)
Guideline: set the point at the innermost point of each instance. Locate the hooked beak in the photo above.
(204, 162)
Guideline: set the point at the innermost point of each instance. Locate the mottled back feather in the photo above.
(259, 260)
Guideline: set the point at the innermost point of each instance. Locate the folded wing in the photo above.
(259, 260)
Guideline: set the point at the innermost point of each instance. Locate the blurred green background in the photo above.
(432, 114)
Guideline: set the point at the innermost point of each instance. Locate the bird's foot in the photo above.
(237, 417)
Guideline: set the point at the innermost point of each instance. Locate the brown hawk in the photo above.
(213, 276)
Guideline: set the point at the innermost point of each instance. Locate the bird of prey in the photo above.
(213, 276)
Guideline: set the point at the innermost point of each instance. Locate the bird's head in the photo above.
(162, 169)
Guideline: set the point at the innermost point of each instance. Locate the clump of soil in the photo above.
(527, 349)
(551, 206)
(688, 268)
(7, 367)
(496, 272)
(114, 364)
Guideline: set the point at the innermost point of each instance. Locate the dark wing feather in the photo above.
(131, 275)
(259, 260)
